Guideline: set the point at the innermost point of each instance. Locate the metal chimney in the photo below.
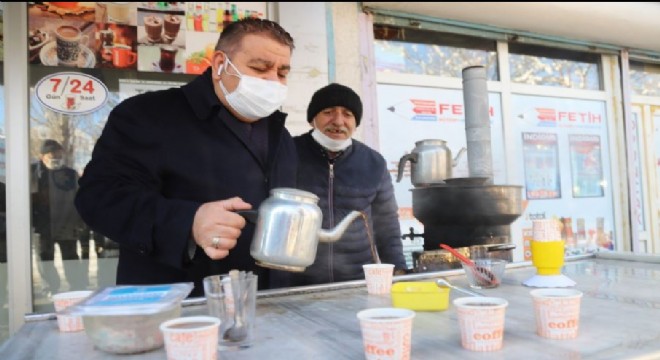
(477, 123)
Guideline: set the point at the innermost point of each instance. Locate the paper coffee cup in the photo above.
(386, 333)
(481, 321)
(379, 278)
(546, 230)
(557, 312)
(192, 337)
(61, 301)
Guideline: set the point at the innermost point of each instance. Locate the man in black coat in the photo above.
(346, 175)
(172, 166)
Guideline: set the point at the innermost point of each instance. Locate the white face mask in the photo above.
(253, 98)
(330, 143)
(54, 164)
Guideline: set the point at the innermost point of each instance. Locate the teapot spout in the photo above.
(458, 156)
(333, 235)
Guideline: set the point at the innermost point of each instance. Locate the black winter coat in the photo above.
(160, 156)
(360, 182)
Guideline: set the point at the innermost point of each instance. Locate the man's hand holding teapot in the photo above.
(216, 227)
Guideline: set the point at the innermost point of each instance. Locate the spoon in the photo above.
(237, 332)
(480, 273)
(457, 288)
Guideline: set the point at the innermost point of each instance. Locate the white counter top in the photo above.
(620, 319)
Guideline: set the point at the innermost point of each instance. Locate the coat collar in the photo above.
(201, 95)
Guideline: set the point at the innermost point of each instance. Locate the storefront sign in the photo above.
(71, 93)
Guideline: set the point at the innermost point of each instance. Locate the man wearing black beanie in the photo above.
(346, 175)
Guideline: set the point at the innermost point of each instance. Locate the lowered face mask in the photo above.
(329, 143)
(54, 164)
(253, 98)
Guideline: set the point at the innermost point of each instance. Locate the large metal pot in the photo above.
(430, 162)
(466, 215)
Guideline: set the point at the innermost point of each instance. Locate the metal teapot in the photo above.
(289, 229)
(430, 162)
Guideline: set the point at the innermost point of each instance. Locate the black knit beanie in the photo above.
(50, 146)
(335, 95)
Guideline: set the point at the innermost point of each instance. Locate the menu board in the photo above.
(169, 37)
(541, 162)
(586, 166)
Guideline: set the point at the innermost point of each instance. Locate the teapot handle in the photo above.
(249, 215)
(402, 163)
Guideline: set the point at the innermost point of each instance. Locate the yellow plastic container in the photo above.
(548, 257)
(420, 295)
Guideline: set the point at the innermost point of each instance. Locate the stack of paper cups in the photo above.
(546, 230)
(547, 255)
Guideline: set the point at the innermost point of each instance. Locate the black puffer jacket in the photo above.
(356, 180)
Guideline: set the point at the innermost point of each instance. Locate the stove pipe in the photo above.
(477, 123)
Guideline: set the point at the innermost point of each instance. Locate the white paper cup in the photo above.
(557, 312)
(379, 278)
(192, 337)
(69, 323)
(481, 321)
(546, 230)
(386, 333)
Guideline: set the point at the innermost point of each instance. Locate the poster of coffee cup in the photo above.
(64, 44)
(165, 58)
(200, 48)
(156, 28)
(61, 40)
(116, 46)
(124, 13)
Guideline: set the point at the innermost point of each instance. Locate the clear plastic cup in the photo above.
(487, 273)
(233, 301)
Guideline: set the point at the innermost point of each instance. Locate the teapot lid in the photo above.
(430, 142)
(294, 194)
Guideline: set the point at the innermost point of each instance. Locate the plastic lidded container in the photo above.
(126, 319)
(420, 295)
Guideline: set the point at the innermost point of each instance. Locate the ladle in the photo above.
(480, 273)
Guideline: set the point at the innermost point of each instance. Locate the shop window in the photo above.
(645, 78)
(423, 52)
(85, 58)
(539, 65)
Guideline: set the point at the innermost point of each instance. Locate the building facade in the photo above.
(574, 96)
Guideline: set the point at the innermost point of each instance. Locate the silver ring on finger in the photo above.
(215, 241)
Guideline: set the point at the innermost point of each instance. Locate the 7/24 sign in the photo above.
(71, 93)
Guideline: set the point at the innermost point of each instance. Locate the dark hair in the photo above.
(232, 35)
